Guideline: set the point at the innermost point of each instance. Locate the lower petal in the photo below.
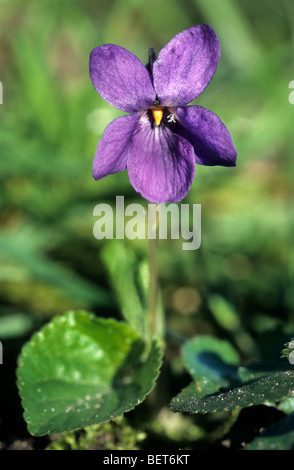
(210, 138)
(112, 150)
(161, 164)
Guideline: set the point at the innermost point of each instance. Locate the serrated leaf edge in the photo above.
(62, 318)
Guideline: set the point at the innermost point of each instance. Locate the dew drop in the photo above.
(291, 357)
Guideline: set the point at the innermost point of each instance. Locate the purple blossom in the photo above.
(161, 139)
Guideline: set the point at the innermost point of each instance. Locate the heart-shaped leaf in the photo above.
(81, 370)
(214, 359)
(212, 363)
(220, 384)
(280, 436)
(265, 390)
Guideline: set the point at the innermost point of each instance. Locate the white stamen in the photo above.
(144, 119)
(171, 118)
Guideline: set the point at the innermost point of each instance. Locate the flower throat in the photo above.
(158, 114)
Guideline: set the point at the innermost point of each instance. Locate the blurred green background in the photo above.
(239, 284)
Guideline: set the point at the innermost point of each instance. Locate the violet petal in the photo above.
(186, 65)
(209, 136)
(121, 78)
(112, 150)
(161, 164)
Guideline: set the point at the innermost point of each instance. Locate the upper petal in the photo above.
(210, 138)
(112, 150)
(121, 78)
(186, 65)
(161, 164)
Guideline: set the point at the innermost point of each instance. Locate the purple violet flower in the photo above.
(161, 139)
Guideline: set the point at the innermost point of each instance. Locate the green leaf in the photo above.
(212, 358)
(130, 281)
(224, 313)
(255, 370)
(228, 318)
(15, 324)
(288, 351)
(211, 362)
(122, 267)
(280, 436)
(265, 390)
(220, 384)
(80, 370)
(287, 406)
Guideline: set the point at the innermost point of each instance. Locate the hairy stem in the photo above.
(153, 276)
(153, 285)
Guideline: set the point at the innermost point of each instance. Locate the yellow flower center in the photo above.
(157, 115)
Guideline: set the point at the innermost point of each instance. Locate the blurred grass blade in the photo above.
(228, 318)
(39, 93)
(235, 34)
(41, 267)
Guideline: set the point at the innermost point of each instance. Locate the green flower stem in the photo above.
(153, 284)
(153, 277)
